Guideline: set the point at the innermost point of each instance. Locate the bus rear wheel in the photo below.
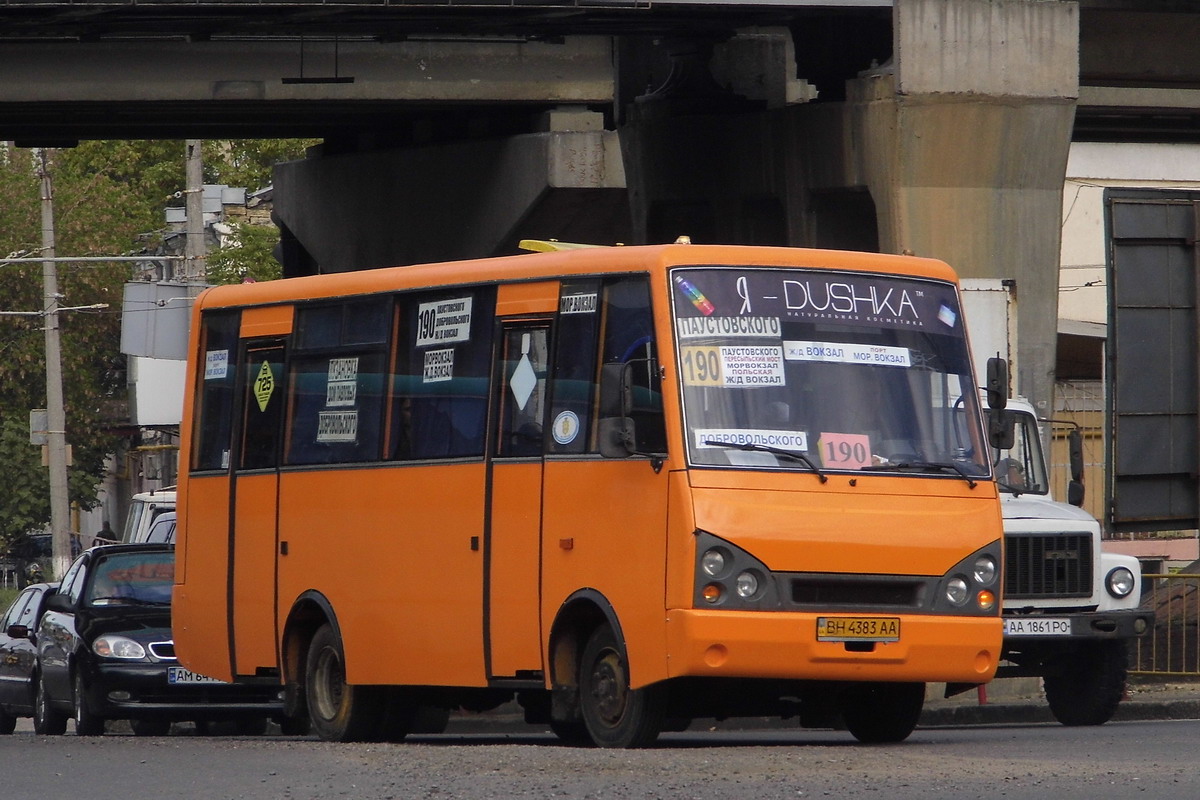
(340, 712)
(878, 713)
(614, 714)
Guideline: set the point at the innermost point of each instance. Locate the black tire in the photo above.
(251, 726)
(8, 723)
(880, 713)
(150, 727)
(614, 714)
(571, 732)
(87, 722)
(340, 712)
(295, 726)
(1090, 685)
(47, 720)
(430, 719)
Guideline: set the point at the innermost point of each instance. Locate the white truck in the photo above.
(1069, 608)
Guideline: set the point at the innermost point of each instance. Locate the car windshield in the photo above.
(143, 578)
(851, 371)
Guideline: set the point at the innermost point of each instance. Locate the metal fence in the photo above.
(1172, 647)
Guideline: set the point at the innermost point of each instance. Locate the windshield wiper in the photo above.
(1016, 491)
(778, 451)
(926, 465)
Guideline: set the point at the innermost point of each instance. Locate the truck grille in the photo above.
(1048, 566)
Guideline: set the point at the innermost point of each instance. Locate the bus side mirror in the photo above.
(1002, 428)
(617, 434)
(997, 383)
(616, 390)
(1075, 456)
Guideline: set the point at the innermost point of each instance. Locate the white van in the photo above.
(144, 509)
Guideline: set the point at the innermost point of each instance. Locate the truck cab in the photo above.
(1069, 607)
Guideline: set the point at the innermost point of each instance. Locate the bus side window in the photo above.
(574, 383)
(212, 424)
(439, 396)
(337, 382)
(629, 339)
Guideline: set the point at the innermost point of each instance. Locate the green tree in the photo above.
(247, 256)
(110, 198)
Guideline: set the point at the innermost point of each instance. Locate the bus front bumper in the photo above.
(739, 644)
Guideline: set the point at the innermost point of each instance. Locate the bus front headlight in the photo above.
(957, 591)
(985, 570)
(747, 584)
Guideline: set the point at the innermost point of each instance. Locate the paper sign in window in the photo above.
(844, 450)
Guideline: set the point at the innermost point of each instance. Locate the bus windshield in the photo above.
(827, 371)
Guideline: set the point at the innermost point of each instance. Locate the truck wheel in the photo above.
(878, 713)
(1088, 688)
(616, 715)
(340, 712)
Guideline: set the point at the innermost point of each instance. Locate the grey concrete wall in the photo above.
(441, 203)
(579, 70)
(963, 143)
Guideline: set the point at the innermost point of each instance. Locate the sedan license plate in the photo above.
(179, 675)
(1037, 626)
(858, 629)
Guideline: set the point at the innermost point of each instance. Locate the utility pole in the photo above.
(56, 435)
(195, 268)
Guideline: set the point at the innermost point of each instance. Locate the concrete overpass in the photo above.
(454, 128)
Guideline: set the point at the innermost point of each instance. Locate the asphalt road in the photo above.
(1118, 760)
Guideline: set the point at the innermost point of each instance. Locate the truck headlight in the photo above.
(1119, 582)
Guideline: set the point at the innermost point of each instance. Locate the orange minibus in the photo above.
(624, 487)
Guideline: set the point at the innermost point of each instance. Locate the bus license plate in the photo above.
(858, 629)
(178, 675)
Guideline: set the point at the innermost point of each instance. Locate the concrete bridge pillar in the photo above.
(962, 142)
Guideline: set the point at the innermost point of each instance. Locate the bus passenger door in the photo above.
(255, 501)
(513, 554)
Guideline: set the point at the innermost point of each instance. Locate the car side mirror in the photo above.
(16, 631)
(59, 602)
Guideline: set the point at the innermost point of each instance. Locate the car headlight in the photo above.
(118, 647)
(1119, 582)
(985, 570)
(957, 591)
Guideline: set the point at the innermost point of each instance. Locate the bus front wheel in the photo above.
(877, 713)
(614, 714)
(340, 712)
